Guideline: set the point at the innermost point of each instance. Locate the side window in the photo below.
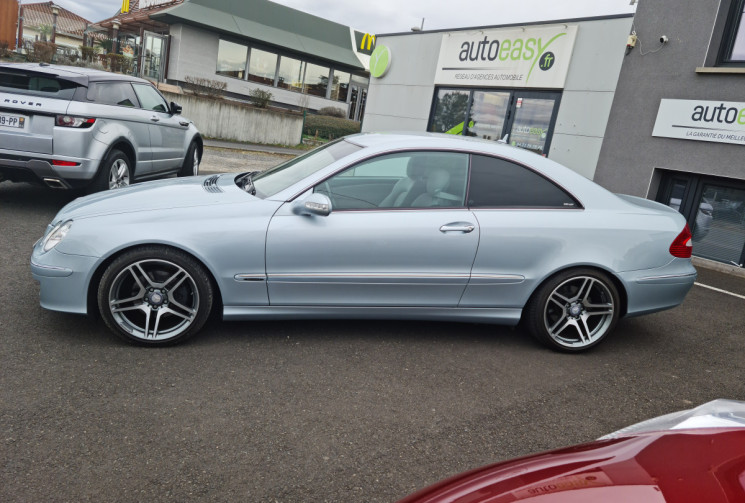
(113, 93)
(401, 180)
(733, 42)
(497, 183)
(150, 99)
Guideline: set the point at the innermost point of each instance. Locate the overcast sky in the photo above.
(390, 16)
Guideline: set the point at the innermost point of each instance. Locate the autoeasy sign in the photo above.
(530, 57)
(717, 121)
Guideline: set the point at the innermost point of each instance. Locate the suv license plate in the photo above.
(13, 121)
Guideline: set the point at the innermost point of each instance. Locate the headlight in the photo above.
(56, 235)
(715, 414)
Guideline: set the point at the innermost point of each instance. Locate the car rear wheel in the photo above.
(115, 173)
(191, 163)
(155, 296)
(574, 310)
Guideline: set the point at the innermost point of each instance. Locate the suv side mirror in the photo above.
(175, 108)
(314, 204)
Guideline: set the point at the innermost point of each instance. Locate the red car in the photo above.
(689, 456)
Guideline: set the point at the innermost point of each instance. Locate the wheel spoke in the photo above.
(553, 330)
(187, 314)
(559, 299)
(584, 292)
(143, 276)
(583, 329)
(180, 273)
(598, 309)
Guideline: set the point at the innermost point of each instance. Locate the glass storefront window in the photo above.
(290, 73)
(340, 86)
(719, 226)
(532, 122)
(450, 111)
(262, 67)
(231, 59)
(488, 113)
(316, 80)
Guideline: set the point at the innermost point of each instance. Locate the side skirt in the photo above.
(505, 316)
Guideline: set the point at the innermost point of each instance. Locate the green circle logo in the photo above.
(380, 61)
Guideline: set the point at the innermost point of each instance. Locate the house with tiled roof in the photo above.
(38, 20)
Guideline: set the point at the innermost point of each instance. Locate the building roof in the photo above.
(269, 23)
(138, 16)
(40, 14)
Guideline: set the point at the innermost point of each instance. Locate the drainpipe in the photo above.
(19, 35)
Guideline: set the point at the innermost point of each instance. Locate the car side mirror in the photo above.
(175, 108)
(314, 204)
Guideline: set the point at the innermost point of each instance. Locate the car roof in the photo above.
(79, 75)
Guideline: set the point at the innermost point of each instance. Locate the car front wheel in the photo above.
(574, 310)
(155, 296)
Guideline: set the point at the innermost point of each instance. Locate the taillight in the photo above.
(72, 121)
(683, 244)
(57, 162)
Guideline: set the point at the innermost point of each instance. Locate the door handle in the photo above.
(154, 119)
(464, 227)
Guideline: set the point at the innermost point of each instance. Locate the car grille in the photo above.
(210, 184)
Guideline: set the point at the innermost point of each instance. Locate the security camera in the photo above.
(664, 39)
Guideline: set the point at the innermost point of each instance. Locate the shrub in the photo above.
(333, 112)
(329, 127)
(205, 87)
(5, 51)
(118, 63)
(42, 52)
(259, 97)
(88, 52)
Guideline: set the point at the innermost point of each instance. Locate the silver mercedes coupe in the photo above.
(372, 226)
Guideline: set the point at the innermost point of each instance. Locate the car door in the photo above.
(526, 223)
(398, 235)
(167, 131)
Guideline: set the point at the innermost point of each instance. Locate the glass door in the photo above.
(153, 57)
(532, 119)
(357, 102)
(488, 114)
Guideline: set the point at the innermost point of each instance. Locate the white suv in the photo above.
(70, 127)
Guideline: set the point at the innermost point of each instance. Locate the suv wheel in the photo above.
(191, 163)
(115, 172)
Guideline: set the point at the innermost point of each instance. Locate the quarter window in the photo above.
(498, 183)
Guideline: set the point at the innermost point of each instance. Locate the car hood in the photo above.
(159, 195)
(672, 466)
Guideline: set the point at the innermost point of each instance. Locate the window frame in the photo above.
(92, 96)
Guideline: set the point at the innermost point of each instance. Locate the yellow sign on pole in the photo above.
(125, 6)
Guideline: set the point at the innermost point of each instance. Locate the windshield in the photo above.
(285, 175)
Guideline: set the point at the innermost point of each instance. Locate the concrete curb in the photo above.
(719, 266)
(253, 147)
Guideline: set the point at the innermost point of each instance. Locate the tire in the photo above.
(115, 172)
(574, 310)
(191, 163)
(155, 296)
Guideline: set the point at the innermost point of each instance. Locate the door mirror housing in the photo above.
(175, 108)
(315, 204)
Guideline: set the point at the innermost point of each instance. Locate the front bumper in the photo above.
(653, 290)
(63, 279)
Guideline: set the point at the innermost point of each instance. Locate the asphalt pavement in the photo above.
(317, 411)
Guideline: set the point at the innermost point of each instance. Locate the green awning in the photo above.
(269, 23)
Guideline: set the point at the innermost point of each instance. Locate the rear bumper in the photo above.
(653, 290)
(39, 169)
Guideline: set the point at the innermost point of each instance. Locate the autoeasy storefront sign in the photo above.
(716, 121)
(535, 57)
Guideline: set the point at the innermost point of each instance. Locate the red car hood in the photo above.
(701, 465)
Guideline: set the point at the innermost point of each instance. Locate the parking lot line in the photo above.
(720, 290)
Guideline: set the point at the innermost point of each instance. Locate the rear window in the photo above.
(36, 85)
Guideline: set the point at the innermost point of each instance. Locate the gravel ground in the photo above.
(220, 160)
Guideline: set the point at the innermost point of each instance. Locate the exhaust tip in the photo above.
(56, 183)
